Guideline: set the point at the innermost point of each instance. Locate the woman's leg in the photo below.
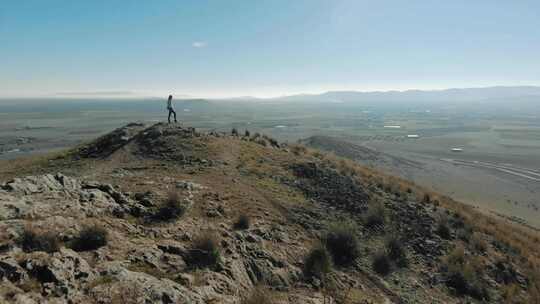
(170, 111)
(174, 112)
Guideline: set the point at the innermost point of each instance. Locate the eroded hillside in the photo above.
(165, 214)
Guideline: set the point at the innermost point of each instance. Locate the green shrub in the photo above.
(317, 263)
(242, 222)
(247, 134)
(463, 275)
(396, 252)
(376, 216)
(34, 240)
(205, 251)
(464, 234)
(342, 244)
(465, 282)
(443, 230)
(171, 210)
(234, 132)
(381, 263)
(90, 238)
(458, 281)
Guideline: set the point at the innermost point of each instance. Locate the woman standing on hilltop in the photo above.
(170, 108)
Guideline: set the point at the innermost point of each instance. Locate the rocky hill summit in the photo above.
(168, 214)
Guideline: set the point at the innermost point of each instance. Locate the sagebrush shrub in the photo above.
(381, 263)
(90, 238)
(396, 252)
(342, 243)
(171, 209)
(443, 230)
(205, 251)
(464, 274)
(317, 263)
(376, 216)
(242, 222)
(34, 240)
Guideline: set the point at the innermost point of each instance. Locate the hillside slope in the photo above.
(165, 214)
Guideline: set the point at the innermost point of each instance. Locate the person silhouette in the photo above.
(170, 108)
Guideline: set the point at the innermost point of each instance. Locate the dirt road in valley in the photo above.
(530, 174)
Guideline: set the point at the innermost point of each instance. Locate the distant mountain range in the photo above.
(453, 95)
(529, 95)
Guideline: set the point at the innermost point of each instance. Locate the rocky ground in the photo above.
(116, 187)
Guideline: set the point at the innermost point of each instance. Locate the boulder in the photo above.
(61, 274)
(41, 183)
(138, 287)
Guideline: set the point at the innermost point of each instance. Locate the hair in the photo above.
(170, 97)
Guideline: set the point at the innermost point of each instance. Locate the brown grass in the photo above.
(464, 274)
(376, 215)
(36, 239)
(149, 269)
(524, 240)
(31, 165)
(298, 149)
(30, 285)
(102, 280)
(260, 295)
(510, 293)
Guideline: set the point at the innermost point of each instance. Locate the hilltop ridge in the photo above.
(168, 214)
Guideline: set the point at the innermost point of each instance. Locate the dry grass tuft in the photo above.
(242, 222)
(342, 243)
(205, 251)
(381, 263)
(464, 274)
(260, 295)
(395, 249)
(171, 209)
(35, 239)
(90, 238)
(317, 263)
(376, 215)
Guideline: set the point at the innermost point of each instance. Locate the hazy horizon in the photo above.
(137, 95)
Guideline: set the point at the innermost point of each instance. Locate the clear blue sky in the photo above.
(263, 48)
